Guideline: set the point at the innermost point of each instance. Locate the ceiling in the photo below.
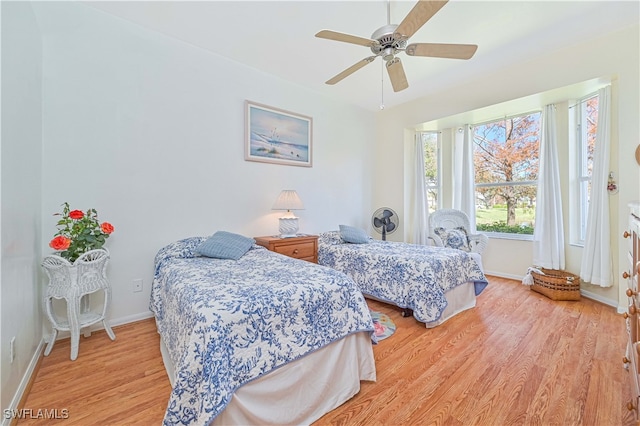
(277, 37)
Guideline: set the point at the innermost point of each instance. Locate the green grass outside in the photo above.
(499, 214)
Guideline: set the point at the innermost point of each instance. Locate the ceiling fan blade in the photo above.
(439, 50)
(353, 68)
(416, 18)
(347, 38)
(397, 75)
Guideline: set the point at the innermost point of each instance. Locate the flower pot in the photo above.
(75, 282)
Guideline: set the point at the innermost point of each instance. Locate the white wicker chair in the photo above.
(72, 281)
(452, 219)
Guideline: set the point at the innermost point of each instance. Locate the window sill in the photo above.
(506, 236)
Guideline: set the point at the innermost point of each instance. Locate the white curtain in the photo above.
(464, 173)
(596, 256)
(420, 201)
(548, 236)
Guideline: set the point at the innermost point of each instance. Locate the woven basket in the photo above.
(556, 285)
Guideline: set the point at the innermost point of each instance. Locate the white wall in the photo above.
(150, 131)
(20, 177)
(590, 60)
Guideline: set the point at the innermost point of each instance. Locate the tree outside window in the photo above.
(506, 172)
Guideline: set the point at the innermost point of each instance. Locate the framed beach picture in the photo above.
(277, 136)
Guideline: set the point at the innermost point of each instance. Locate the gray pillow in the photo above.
(225, 245)
(353, 235)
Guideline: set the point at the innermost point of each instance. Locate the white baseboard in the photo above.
(24, 383)
(130, 318)
(598, 298)
(503, 275)
(112, 322)
(585, 293)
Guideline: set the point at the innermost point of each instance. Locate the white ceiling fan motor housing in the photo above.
(388, 45)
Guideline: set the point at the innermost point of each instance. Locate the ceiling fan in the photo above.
(391, 39)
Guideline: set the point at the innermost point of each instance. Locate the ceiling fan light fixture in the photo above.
(389, 54)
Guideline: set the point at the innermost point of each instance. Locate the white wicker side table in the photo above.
(74, 282)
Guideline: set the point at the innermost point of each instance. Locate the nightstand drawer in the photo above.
(298, 250)
(304, 247)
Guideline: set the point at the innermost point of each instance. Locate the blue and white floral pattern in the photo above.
(406, 275)
(454, 238)
(227, 322)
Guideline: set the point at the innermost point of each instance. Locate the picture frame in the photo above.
(273, 135)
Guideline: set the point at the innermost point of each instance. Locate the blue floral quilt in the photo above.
(227, 322)
(406, 275)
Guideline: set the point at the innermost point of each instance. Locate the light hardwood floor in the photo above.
(518, 358)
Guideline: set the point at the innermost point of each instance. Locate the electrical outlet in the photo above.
(137, 285)
(12, 349)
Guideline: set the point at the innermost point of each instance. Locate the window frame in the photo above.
(581, 177)
(506, 235)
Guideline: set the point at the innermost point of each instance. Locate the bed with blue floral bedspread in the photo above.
(410, 276)
(227, 322)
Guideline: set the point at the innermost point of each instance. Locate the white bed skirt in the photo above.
(302, 391)
(459, 299)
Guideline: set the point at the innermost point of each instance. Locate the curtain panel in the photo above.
(464, 173)
(596, 266)
(420, 201)
(548, 235)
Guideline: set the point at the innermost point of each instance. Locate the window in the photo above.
(506, 172)
(431, 142)
(586, 116)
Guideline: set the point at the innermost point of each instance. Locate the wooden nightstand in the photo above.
(302, 247)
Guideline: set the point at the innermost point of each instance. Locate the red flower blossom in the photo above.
(106, 227)
(79, 232)
(60, 243)
(76, 214)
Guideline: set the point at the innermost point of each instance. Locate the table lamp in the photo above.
(288, 200)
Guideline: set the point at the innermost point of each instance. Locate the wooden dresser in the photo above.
(302, 247)
(632, 316)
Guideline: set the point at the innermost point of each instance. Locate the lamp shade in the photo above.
(288, 200)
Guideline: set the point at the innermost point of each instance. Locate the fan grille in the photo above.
(384, 221)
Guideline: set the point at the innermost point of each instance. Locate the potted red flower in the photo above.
(79, 232)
